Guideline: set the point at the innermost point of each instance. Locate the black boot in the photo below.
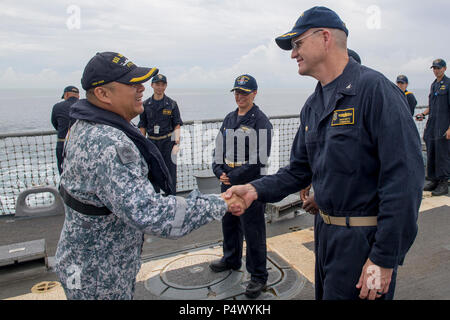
(221, 266)
(441, 189)
(431, 185)
(254, 289)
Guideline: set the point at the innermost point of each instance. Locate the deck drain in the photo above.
(44, 287)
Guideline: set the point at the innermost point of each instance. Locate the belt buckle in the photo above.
(326, 218)
(229, 163)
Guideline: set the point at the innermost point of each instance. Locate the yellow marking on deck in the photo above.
(289, 246)
(429, 202)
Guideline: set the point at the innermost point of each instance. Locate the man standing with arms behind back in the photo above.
(437, 131)
(61, 120)
(358, 145)
(161, 122)
(245, 137)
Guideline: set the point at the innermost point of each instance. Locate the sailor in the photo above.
(161, 122)
(242, 150)
(437, 131)
(61, 120)
(108, 184)
(309, 205)
(358, 145)
(402, 83)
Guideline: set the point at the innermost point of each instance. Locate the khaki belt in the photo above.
(234, 164)
(352, 221)
(61, 140)
(160, 138)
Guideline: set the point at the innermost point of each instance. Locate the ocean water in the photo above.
(25, 110)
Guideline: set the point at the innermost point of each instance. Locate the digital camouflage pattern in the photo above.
(98, 257)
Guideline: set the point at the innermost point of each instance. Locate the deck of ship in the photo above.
(425, 274)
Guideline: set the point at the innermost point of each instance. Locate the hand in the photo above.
(235, 204)
(175, 149)
(247, 192)
(304, 193)
(224, 179)
(310, 206)
(420, 117)
(447, 134)
(374, 281)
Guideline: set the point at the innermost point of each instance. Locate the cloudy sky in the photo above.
(205, 43)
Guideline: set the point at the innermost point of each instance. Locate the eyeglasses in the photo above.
(297, 43)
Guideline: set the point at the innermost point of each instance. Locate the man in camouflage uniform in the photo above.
(108, 189)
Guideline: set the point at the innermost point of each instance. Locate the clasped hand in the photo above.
(236, 205)
(239, 198)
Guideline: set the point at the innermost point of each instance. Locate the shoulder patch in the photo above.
(126, 154)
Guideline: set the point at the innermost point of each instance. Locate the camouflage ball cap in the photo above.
(107, 67)
(316, 17)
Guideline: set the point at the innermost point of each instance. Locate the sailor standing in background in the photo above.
(61, 120)
(247, 132)
(437, 131)
(402, 83)
(161, 122)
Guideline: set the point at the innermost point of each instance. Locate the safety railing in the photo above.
(28, 159)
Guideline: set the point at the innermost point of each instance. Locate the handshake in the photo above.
(239, 198)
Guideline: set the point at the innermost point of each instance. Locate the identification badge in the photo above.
(167, 112)
(156, 129)
(343, 117)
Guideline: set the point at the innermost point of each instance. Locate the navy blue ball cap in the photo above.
(402, 79)
(316, 17)
(159, 78)
(245, 83)
(439, 63)
(107, 67)
(70, 89)
(354, 55)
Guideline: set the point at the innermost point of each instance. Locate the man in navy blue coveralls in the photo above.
(358, 145)
(247, 132)
(61, 120)
(161, 122)
(437, 131)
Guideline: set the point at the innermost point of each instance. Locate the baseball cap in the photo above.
(354, 55)
(159, 78)
(316, 17)
(107, 67)
(70, 89)
(439, 63)
(245, 83)
(402, 78)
